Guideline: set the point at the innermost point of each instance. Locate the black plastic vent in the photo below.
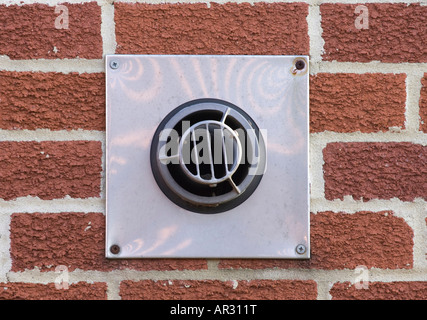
(208, 156)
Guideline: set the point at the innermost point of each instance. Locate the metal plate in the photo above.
(142, 222)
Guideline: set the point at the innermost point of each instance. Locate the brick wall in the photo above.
(368, 147)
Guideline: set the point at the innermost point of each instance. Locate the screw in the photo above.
(300, 249)
(300, 64)
(114, 249)
(114, 64)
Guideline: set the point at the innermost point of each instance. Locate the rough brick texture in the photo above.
(36, 291)
(29, 32)
(375, 170)
(261, 28)
(344, 241)
(423, 104)
(399, 290)
(52, 100)
(222, 290)
(50, 169)
(357, 102)
(396, 33)
(76, 240)
(339, 102)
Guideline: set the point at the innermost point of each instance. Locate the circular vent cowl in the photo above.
(208, 156)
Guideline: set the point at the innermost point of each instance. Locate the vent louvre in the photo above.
(202, 163)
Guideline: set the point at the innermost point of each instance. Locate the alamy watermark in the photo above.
(61, 21)
(362, 20)
(362, 279)
(211, 144)
(62, 281)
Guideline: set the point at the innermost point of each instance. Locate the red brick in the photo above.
(396, 33)
(375, 170)
(423, 104)
(346, 102)
(222, 290)
(37, 291)
(231, 28)
(399, 290)
(75, 240)
(345, 241)
(50, 169)
(29, 32)
(52, 100)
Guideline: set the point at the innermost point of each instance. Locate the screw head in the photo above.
(300, 64)
(300, 249)
(114, 249)
(114, 64)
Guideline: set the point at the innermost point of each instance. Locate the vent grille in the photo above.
(208, 156)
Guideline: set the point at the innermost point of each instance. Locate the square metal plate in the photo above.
(142, 222)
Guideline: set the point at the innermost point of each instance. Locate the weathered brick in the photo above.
(366, 170)
(53, 101)
(397, 290)
(37, 291)
(345, 241)
(396, 33)
(231, 28)
(50, 169)
(346, 102)
(423, 104)
(215, 289)
(74, 240)
(28, 31)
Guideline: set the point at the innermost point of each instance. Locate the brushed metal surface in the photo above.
(140, 91)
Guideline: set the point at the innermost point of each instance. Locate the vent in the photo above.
(198, 186)
(208, 156)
